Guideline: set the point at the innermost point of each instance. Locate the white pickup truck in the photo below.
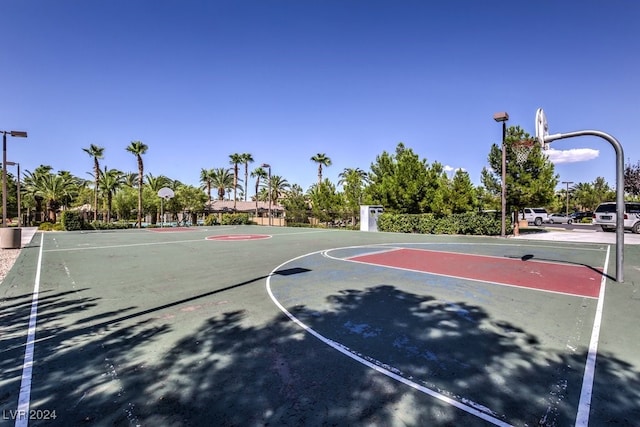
(535, 215)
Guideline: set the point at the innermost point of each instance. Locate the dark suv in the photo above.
(605, 216)
(577, 216)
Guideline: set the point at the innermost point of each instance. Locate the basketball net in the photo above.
(522, 149)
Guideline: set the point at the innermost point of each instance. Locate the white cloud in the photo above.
(571, 156)
(448, 169)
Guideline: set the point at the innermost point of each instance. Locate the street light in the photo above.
(568, 183)
(14, 133)
(503, 117)
(266, 165)
(18, 191)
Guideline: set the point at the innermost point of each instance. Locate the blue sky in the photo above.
(284, 80)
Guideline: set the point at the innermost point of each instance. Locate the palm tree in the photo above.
(258, 173)
(138, 148)
(53, 188)
(111, 181)
(235, 160)
(31, 180)
(356, 173)
(130, 179)
(279, 187)
(206, 175)
(97, 153)
(155, 184)
(222, 179)
(246, 159)
(322, 160)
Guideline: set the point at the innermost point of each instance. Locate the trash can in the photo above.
(10, 238)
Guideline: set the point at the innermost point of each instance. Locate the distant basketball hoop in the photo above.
(522, 149)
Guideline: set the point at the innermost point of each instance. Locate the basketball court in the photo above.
(275, 326)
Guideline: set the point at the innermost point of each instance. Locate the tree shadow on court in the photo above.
(229, 372)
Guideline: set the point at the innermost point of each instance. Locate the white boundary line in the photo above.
(582, 419)
(22, 414)
(471, 407)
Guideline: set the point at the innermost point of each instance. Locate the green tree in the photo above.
(125, 201)
(138, 149)
(530, 183)
(603, 192)
(258, 173)
(353, 183)
(131, 179)
(632, 179)
(246, 159)
(206, 178)
(399, 182)
(221, 179)
(295, 205)
(326, 202)
(438, 190)
(31, 188)
(192, 200)
(589, 195)
(235, 160)
(279, 186)
(153, 202)
(110, 182)
(96, 153)
(322, 160)
(53, 188)
(463, 195)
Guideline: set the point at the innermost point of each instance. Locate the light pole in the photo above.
(503, 117)
(568, 183)
(268, 166)
(18, 191)
(14, 133)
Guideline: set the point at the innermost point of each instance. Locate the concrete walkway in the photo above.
(583, 236)
(26, 235)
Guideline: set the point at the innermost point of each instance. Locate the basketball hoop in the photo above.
(522, 149)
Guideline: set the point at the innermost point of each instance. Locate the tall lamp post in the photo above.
(503, 117)
(14, 133)
(568, 183)
(17, 191)
(268, 166)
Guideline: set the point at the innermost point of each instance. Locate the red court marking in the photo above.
(239, 237)
(169, 229)
(568, 279)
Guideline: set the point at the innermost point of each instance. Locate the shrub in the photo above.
(72, 220)
(48, 226)
(465, 223)
(117, 225)
(301, 224)
(235, 219)
(211, 220)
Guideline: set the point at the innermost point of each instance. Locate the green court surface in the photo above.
(253, 326)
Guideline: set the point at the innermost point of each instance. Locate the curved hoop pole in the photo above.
(619, 189)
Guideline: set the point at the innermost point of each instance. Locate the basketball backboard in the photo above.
(166, 193)
(542, 128)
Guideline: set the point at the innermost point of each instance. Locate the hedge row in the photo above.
(72, 220)
(228, 219)
(486, 224)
